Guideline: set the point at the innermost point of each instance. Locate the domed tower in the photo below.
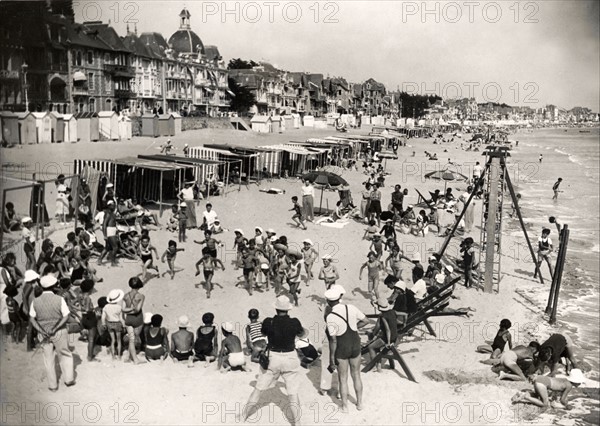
(184, 40)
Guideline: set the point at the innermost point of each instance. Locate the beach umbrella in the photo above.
(447, 176)
(385, 155)
(325, 180)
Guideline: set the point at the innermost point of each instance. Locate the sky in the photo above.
(528, 53)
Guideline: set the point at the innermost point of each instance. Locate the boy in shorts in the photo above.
(171, 254)
(298, 218)
(209, 264)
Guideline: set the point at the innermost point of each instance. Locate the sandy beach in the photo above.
(452, 387)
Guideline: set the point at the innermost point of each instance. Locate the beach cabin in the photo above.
(176, 123)
(166, 125)
(9, 123)
(261, 123)
(288, 122)
(83, 126)
(320, 124)
(108, 122)
(125, 131)
(309, 121)
(43, 127)
(297, 121)
(150, 125)
(70, 128)
(59, 128)
(57, 133)
(27, 128)
(276, 125)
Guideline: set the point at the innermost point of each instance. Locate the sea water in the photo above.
(575, 157)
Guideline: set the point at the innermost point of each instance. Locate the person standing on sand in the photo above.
(555, 188)
(541, 158)
(281, 331)
(109, 229)
(344, 344)
(187, 196)
(545, 249)
(49, 314)
(308, 196)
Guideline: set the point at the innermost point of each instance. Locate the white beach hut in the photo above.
(43, 126)
(108, 125)
(70, 131)
(261, 124)
(125, 131)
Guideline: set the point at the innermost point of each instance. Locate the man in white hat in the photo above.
(182, 342)
(49, 314)
(109, 195)
(344, 344)
(385, 332)
(187, 196)
(281, 331)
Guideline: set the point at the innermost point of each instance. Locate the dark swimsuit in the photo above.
(204, 343)
(154, 347)
(499, 341)
(348, 344)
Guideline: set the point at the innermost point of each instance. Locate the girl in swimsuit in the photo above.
(394, 261)
(373, 266)
(206, 344)
(209, 264)
(293, 277)
(328, 272)
(310, 255)
(171, 254)
(133, 303)
(503, 336)
(145, 253)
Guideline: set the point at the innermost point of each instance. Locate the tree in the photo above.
(240, 64)
(243, 98)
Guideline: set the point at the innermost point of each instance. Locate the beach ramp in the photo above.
(239, 124)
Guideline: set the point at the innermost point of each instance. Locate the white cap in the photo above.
(307, 241)
(227, 326)
(31, 276)
(326, 256)
(449, 268)
(333, 294)
(339, 288)
(416, 257)
(183, 322)
(147, 317)
(576, 376)
(62, 188)
(48, 281)
(109, 185)
(439, 278)
(26, 219)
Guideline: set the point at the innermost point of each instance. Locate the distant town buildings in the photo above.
(49, 62)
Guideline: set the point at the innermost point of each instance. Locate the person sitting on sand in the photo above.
(156, 340)
(306, 350)
(552, 350)
(10, 221)
(255, 341)
(206, 344)
(503, 337)
(510, 359)
(182, 342)
(543, 384)
(231, 355)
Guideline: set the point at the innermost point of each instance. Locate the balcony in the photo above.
(80, 90)
(124, 93)
(120, 70)
(172, 94)
(202, 82)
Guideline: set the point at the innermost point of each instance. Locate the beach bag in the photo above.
(263, 359)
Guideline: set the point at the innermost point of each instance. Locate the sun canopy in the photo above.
(162, 166)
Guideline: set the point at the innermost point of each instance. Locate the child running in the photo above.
(182, 215)
(171, 254)
(145, 251)
(209, 264)
(377, 245)
(373, 266)
(211, 243)
(298, 218)
(310, 255)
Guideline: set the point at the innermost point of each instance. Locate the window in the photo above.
(91, 81)
(90, 57)
(107, 83)
(78, 61)
(106, 58)
(92, 107)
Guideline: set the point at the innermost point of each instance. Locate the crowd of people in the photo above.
(56, 291)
